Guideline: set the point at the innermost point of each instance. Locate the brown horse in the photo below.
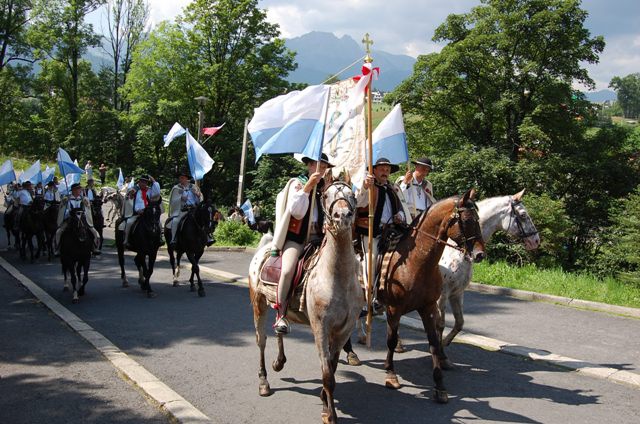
(413, 281)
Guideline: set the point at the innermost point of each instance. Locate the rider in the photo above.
(417, 190)
(39, 190)
(140, 195)
(10, 197)
(296, 224)
(51, 194)
(183, 197)
(23, 198)
(75, 201)
(90, 191)
(390, 209)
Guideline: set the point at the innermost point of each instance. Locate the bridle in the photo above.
(453, 219)
(515, 216)
(350, 199)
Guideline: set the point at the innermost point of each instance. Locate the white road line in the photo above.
(170, 402)
(486, 343)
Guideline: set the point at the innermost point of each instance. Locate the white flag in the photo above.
(175, 131)
(199, 160)
(248, 211)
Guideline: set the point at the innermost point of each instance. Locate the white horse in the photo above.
(506, 213)
(333, 295)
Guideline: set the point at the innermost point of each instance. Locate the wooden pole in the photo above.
(243, 160)
(367, 42)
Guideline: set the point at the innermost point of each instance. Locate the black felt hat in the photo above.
(323, 158)
(385, 161)
(423, 161)
(75, 185)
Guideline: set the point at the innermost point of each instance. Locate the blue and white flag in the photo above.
(48, 175)
(66, 165)
(248, 211)
(389, 138)
(7, 174)
(199, 160)
(175, 131)
(33, 174)
(291, 123)
(120, 182)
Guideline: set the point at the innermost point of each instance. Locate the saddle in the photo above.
(270, 275)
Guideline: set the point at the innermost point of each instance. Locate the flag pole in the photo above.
(368, 59)
(243, 159)
(318, 160)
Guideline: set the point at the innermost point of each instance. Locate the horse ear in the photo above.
(465, 198)
(518, 196)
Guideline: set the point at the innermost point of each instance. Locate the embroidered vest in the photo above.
(379, 197)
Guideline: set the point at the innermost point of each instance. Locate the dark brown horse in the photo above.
(413, 281)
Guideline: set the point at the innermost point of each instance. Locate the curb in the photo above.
(559, 300)
(161, 395)
(494, 345)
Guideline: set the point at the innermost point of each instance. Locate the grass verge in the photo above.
(557, 282)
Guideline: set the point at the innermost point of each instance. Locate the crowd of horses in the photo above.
(430, 266)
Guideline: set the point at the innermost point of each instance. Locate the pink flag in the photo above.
(211, 130)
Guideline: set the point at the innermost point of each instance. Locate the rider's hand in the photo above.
(408, 177)
(398, 218)
(314, 179)
(368, 181)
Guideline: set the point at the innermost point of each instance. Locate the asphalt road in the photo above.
(204, 348)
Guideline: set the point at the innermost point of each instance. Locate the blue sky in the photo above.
(406, 26)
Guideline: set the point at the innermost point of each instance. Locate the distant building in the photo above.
(377, 96)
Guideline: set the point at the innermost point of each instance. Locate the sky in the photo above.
(407, 26)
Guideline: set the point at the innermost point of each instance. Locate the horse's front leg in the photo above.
(429, 317)
(352, 357)
(279, 362)
(391, 379)
(85, 275)
(149, 272)
(196, 269)
(172, 261)
(328, 366)
(259, 304)
(120, 249)
(74, 282)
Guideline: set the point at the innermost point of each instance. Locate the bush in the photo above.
(231, 233)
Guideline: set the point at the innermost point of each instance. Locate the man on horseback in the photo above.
(184, 196)
(51, 195)
(296, 224)
(90, 191)
(390, 210)
(417, 190)
(73, 202)
(141, 195)
(24, 198)
(39, 190)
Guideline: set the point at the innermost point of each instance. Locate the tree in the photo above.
(628, 91)
(14, 18)
(224, 50)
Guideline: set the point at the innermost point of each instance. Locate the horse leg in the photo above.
(149, 271)
(120, 249)
(279, 362)
(30, 244)
(391, 379)
(352, 357)
(328, 365)
(74, 282)
(445, 363)
(259, 304)
(141, 267)
(172, 261)
(85, 276)
(67, 285)
(429, 317)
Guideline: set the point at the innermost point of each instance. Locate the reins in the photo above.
(516, 216)
(455, 217)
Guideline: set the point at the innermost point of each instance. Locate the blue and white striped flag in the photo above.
(248, 211)
(7, 174)
(175, 131)
(389, 138)
(199, 160)
(291, 123)
(120, 182)
(66, 165)
(48, 175)
(33, 174)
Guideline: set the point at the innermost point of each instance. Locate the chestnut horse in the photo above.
(413, 282)
(333, 296)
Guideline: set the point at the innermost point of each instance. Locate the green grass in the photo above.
(557, 282)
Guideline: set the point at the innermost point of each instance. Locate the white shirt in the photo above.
(24, 197)
(153, 191)
(189, 197)
(51, 196)
(299, 203)
(90, 194)
(73, 203)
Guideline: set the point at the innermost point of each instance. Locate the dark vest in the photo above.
(298, 228)
(381, 193)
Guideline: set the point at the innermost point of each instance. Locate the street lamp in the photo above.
(202, 100)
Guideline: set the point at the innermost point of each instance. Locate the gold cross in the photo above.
(367, 47)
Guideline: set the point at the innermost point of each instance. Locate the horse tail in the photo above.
(267, 238)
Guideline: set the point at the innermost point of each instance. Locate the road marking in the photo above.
(170, 402)
(486, 343)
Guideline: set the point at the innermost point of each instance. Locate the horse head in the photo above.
(77, 224)
(464, 226)
(203, 214)
(520, 224)
(338, 204)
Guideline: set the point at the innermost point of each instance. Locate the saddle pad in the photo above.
(270, 272)
(297, 301)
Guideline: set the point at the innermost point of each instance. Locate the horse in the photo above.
(76, 245)
(115, 199)
(263, 226)
(50, 223)
(31, 224)
(145, 240)
(9, 226)
(506, 213)
(333, 295)
(411, 279)
(191, 240)
(98, 217)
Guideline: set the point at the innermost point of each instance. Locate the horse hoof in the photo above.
(352, 359)
(175, 283)
(151, 295)
(440, 396)
(192, 289)
(391, 382)
(65, 289)
(201, 293)
(446, 364)
(125, 284)
(326, 419)
(400, 348)
(265, 390)
(74, 301)
(277, 365)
